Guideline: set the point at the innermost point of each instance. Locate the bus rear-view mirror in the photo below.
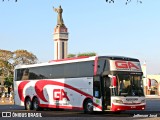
(114, 80)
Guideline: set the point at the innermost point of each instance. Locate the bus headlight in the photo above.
(118, 101)
(143, 101)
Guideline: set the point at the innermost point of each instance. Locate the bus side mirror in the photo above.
(114, 81)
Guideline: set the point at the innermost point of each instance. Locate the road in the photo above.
(152, 110)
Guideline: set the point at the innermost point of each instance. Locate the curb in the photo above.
(6, 102)
(152, 96)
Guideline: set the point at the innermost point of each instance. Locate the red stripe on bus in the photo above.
(98, 106)
(74, 58)
(60, 106)
(121, 108)
(67, 107)
(41, 83)
(20, 89)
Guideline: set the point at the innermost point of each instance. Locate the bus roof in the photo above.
(76, 59)
(61, 61)
(119, 58)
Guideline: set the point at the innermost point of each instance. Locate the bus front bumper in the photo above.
(127, 107)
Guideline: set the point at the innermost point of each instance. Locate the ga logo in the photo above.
(59, 94)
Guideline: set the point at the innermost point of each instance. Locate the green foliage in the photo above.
(81, 54)
(71, 55)
(8, 82)
(23, 57)
(5, 55)
(87, 54)
(6, 68)
(10, 59)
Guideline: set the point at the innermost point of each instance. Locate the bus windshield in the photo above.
(129, 85)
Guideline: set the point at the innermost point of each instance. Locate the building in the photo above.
(151, 82)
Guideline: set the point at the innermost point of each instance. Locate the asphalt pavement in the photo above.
(152, 111)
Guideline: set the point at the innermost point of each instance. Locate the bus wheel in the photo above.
(88, 106)
(28, 104)
(35, 104)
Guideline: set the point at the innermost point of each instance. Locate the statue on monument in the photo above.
(59, 18)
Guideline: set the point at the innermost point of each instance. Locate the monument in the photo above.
(60, 37)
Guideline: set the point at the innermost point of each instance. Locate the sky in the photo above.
(131, 30)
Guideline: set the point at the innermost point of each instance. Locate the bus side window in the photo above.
(97, 87)
(25, 75)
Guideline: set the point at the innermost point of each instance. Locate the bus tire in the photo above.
(88, 106)
(35, 104)
(28, 104)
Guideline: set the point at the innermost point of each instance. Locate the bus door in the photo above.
(97, 94)
(106, 92)
(102, 92)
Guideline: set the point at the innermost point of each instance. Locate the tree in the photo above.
(24, 57)
(87, 54)
(5, 62)
(8, 83)
(71, 55)
(5, 55)
(8, 60)
(6, 68)
(81, 54)
(6, 71)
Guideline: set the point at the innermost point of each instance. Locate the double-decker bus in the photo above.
(98, 83)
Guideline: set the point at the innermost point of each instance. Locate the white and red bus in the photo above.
(98, 83)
